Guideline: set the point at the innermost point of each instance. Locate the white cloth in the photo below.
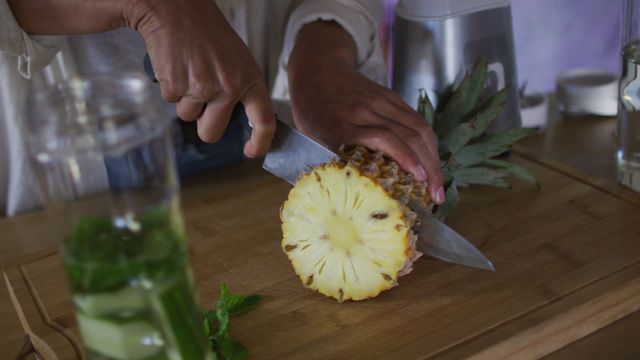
(356, 17)
(269, 27)
(20, 57)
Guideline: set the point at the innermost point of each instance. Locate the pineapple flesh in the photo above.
(347, 226)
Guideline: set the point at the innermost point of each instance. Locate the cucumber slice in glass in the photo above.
(125, 300)
(136, 339)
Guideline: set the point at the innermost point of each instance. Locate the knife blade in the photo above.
(293, 154)
(442, 242)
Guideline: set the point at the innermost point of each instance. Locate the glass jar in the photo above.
(628, 152)
(105, 161)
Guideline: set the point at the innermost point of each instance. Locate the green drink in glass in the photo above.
(105, 162)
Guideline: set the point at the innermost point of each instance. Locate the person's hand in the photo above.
(334, 103)
(199, 60)
(204, 67)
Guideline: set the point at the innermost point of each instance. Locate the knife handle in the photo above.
(238, 114)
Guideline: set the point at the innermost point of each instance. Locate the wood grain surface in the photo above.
(567, 259)
(607, 343)
(581, 147)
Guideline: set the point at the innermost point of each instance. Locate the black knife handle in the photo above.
(238, 114)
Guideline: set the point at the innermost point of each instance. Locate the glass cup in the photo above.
(105, 162)
(628, 152)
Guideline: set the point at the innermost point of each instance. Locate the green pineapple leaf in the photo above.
(463, 100)
(446, 174)
(466, 152)
(506, 137)
(456, 139)
(511, 169)
(465, 131)
(480, 176)
(452, 198)
(476, 153)
(425, 107)
(489, 111)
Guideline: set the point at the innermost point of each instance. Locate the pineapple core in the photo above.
(346, 237)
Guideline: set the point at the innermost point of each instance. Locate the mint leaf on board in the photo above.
(237, 304)
(233, 350)
(217, 323)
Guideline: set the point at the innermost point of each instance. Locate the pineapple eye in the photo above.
(290, 247)
(380, 215)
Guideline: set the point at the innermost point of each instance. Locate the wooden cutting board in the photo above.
(567, 259)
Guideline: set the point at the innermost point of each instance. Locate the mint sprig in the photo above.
(217, 323)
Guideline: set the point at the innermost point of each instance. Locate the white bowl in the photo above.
(588, 91)
(534, 110)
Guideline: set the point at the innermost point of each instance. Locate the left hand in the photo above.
(332, 102)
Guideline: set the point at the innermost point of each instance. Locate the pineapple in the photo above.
(348, 225)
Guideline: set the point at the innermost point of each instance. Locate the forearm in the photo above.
(321, 42)
(61, 17)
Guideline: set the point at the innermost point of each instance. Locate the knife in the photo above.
(293, 154)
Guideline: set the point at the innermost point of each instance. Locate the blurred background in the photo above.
(552, 36)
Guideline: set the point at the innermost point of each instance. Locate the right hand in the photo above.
(203, 66)
(338, 105)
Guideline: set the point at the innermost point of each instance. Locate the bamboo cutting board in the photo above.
(567, 259)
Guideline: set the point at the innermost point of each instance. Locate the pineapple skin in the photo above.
(347, 226)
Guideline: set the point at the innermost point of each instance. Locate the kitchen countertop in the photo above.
(567, 259)
(584, 147)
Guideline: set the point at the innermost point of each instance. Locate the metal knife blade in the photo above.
(442, 242)
(293, 154)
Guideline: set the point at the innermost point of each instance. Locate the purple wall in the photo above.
(554, 35)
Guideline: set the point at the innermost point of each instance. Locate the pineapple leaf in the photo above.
(425, 107)
(465, 131)
(506, 137)
(480, 176)
(489, 110)
(477, 153)
(447, 175)
(457, 138)
(463, 100)
(452, 198)
(511, 169)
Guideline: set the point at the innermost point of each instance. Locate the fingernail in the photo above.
(248, 154)
(439, 195)
(421, 175)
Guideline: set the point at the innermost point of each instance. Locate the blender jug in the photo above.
(436, 41)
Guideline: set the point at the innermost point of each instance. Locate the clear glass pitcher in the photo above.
(105, 161)
(628, 153)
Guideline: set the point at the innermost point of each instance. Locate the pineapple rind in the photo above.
(347, 237)
(383, 170)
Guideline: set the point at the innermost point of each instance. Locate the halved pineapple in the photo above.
(346, 226)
